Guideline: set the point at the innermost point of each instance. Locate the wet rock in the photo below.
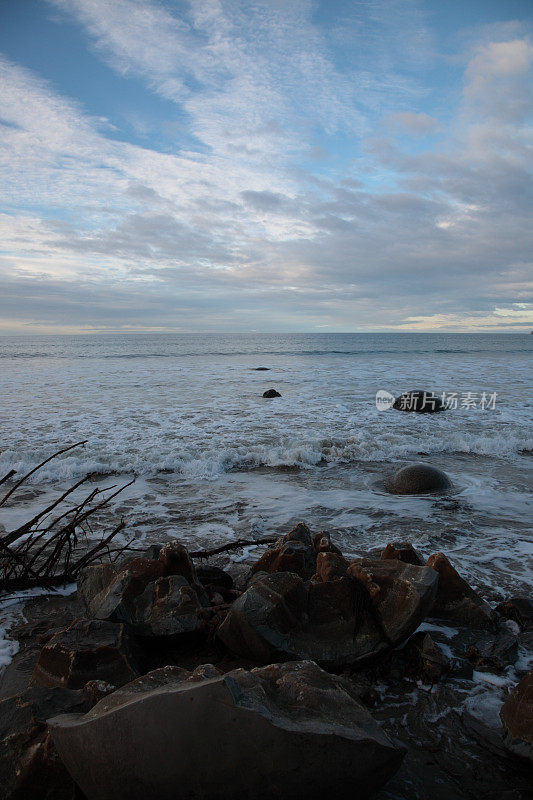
(214, 576)
(493, 653)
(29, 764)
(286, 730)
(155, 597)
(519, 610)
(457, 600)
(271, 393)
(425, 660)
(340, 617)
(418, 479)
(402, 551)
(423, 402)
(262, 369)
(517, 717)
(293, 552)
(87, 650)
(95, 691)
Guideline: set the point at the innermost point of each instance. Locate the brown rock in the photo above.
(291, 553)
(517, 717)
(29, 764)
(286, 730)
(456, 599)
(425, 660)
(85, 651)
(403, 551)
(334, 619)
(519, 610)
(494, 653)
(418, 479)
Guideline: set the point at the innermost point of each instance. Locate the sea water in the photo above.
(213, 460)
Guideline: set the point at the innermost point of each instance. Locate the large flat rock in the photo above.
(283, 731)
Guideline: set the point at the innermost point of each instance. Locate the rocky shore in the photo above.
(297, 674)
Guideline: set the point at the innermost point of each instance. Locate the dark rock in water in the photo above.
(87, 650)
(344, 615)
(494, 653)
(262, 369)
(517, 717)
(29, 764)
(286, 730)
(425, 660)
(519, 610)
(271, 393)
(418, 479)
(402, 551)
(423, 402)
(457, 600)
(155, 597)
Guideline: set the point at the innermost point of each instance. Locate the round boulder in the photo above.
(418, 479)
(423, 402)
(271, 393)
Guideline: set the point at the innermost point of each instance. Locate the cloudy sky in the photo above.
(272, 165)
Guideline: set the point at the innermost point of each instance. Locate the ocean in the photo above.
(214, 461)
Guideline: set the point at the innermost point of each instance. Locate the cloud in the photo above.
(234, 232)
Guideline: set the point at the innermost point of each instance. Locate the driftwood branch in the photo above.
(232, 546)
(44, 551)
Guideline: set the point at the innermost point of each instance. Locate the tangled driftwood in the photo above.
(45, 550)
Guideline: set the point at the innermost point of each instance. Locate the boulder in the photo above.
(418, 479)
(155, 597)
(293, 552)
(457, 600)
(519, 610)
(345, 615)
(417, 400)
(402, 551)
(29, 764)
(517, 717)
(493, 653)
(286, 730)
(271, 393)
(85, 651)
(262, 369)
(424, 658)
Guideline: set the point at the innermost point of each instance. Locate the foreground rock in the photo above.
(88, 650)
(155, 597)
(517, 717)
(422, 402)
(271, 393)
(29, 764)
(519, 610)
(402, 551)
(457, 600)
(418, 479)
(344, 615)
(286, 730)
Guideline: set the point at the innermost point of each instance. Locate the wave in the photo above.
(304, 455)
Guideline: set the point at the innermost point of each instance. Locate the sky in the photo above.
(273, 165)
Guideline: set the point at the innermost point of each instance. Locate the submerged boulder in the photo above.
(344, 615)
(155, 597)
(271, 393)
(85, 651)
(418, 479)
(286, 730)
(420, 401)
(517, 717)
(457, 600)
